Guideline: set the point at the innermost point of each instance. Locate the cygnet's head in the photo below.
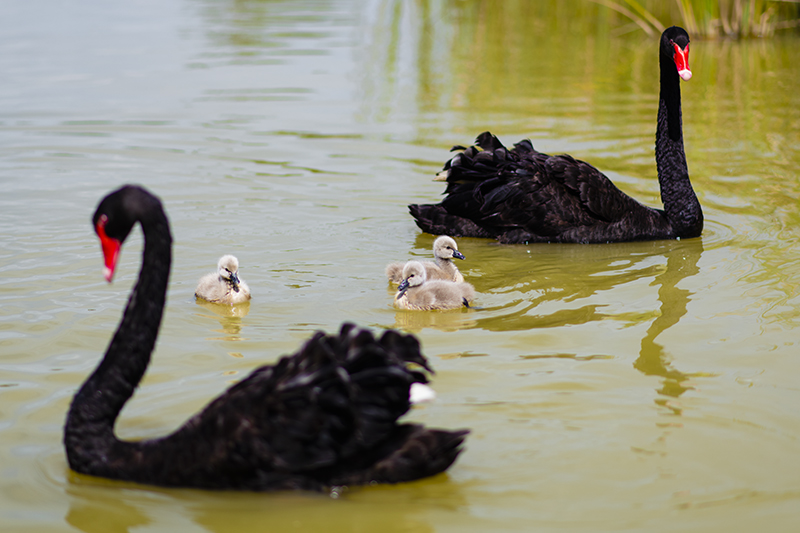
(228, 268)
(446, 248)
(413, 275)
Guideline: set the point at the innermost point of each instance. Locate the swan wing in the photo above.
(331, 403)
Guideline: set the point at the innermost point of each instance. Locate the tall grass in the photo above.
(713, 18)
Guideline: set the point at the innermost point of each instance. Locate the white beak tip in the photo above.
(420, 392)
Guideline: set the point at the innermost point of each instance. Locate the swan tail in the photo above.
(370, 390)
(350, 389)
(407, 349)
(488, 142)
(336, 397)
(412, 452)
(436, 220)
(489, 160)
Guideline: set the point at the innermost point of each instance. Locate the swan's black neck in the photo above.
(89, 433)
(680, 201)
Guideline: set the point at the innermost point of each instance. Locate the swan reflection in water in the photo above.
(653, 359)
(517, 298)
(99, 510)
(93, 508)
(452, 320)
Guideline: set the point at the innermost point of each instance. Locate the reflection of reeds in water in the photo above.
(469, 66)
(573, 356)
(460, 355)
(229, 317)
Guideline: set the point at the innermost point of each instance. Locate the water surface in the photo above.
(638, 386)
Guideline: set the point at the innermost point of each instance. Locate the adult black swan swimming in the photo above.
(521, 195)
(324, 417)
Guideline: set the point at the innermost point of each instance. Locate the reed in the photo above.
(712, 18)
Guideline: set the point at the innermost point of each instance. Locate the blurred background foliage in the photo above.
(573, 74)
(701, 18)
(711, 18)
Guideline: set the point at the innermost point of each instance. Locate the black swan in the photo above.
(324, 417)
(224, 285)
(524, 196)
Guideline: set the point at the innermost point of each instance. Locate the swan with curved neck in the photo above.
(522, 195)
(323, 417)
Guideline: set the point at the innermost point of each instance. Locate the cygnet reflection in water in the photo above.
(410, 321)
(416, 293)
(224, 285)
(229, 317)
(442, 268)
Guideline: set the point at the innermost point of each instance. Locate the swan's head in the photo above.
(228, 268)
(446, 248)
(675, 45)
(114, 218)
(413, 275)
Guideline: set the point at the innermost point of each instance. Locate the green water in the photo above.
(642, 386)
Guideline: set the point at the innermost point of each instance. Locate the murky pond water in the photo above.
(641, 386)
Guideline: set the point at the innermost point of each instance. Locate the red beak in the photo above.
(110, 248)
(681, 58)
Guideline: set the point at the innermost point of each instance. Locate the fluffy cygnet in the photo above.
(224, 285)
(416, 293)
(444, 250)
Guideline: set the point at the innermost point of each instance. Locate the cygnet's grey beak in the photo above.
(235, 281)
(403, 285)
(458, 255)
